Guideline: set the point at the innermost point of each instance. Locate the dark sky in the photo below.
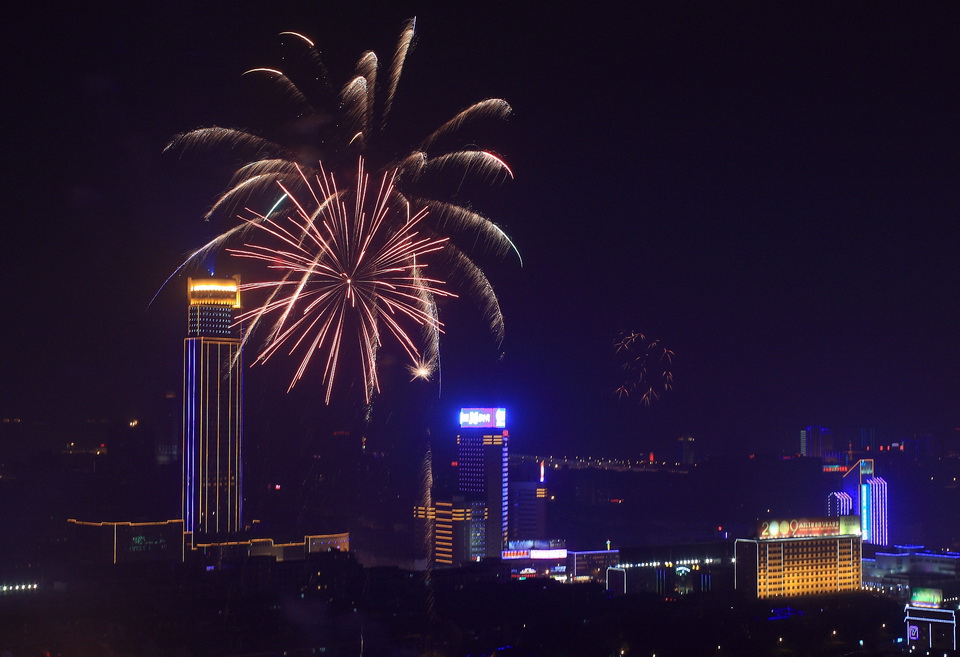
(771, 193)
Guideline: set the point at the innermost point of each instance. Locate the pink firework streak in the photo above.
(348, 269)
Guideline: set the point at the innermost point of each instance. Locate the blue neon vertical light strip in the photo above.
(190, 436)
(866, 516)
(504, 492)
(238, 367)
(879, 510)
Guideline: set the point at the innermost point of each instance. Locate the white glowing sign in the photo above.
(557, 553)
(483, 418)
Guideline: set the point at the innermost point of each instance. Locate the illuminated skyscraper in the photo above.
(212, 501)
(483, 467)
(865, 495)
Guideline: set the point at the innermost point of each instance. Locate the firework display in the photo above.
(645, 366)
(341, 126)
(348, 268)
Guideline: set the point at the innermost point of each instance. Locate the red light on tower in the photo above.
(651, 457)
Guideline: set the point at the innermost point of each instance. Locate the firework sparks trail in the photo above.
(360, 110)
(349, 273)
(645, 365)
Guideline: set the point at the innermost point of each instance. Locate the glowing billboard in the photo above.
(920, 597)
(808, 527)
(483, 418)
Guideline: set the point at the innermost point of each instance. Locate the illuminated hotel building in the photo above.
(212, 501)
(865, 495)
(802, 556)
(483, 469)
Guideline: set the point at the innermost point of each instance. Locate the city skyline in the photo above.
(766, 193)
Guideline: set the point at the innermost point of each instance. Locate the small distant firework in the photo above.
(645, 365)
(337, 127)
(350, 268)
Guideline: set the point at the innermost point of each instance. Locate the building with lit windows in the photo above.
(458, 530)
(212, 500)
(800, 556)
(473, 522)
(899, 572)
(672, 570)
(865, 495)
(483, 471)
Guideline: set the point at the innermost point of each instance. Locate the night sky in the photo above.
(772, 193)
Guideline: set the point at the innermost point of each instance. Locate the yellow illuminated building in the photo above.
(457, 530)
(802, 556)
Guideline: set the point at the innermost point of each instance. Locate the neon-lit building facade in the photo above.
(839, 504)
(800, 556)
(483, 472)
(212, 500)
(867, 495)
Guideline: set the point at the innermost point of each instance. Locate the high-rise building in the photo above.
(865, 495)
(816, 442)
(472, 522)
(212, 500)
(800, 556)
(483, 471)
